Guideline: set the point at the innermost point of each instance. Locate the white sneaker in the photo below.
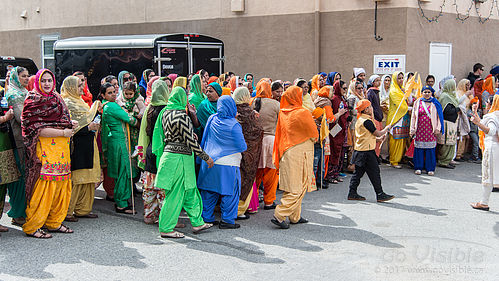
(431, 173)
(417, 172)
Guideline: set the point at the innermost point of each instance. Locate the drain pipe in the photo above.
(376, 36)
(317, 36)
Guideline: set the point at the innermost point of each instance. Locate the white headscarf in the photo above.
(383, 93)
(371, 80)
(358, 71)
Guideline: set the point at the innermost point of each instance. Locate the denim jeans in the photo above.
(474, 148)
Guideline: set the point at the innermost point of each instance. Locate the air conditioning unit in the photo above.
(237, 5)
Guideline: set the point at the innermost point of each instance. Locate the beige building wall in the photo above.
(270, 38)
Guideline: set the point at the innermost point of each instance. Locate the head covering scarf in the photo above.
(263, 90)
(120, 80)
(223, 135)
(442, 82)
(145, 78)
(330, 78)
(159, 97)
(180, 82)
(149, 89)
(361, 105)
(221, 79)
(172, 77)
(177, 100)
(207, 107)
(326, 91)
(383, 93)
(41, 110)
(87, 96)
(295, 124)
(78, 108)
(449, 94)
(15, 90)
(397, 98)
(252, 81)
(212, 79)
(488, 118)
(31, 83)
(438, 106)
(371, 80)
(217, 88)
(488, 85)
(233, 83)
(461, 87)
(196, 96)
(241, 95)
(226, 91)
(315, 83)
(358, 70)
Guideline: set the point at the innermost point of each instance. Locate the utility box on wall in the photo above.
(237, 5)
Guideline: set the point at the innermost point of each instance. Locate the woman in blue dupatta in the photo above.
(146, 77)
(332, 77)
(223, 140)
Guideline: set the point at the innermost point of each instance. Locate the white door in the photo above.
(440, 61)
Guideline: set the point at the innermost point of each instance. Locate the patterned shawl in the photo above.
(41, 110)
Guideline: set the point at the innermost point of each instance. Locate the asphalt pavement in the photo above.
(428, 232)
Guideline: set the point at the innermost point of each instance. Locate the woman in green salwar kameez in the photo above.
(447, 141)
(174, 145)
(116, 147)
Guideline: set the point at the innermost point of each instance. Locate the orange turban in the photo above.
(325, 91)
(361, 105)
(212, 79)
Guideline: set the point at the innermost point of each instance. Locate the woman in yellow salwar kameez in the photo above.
(399, 118)
(85, 160)
(47, 129)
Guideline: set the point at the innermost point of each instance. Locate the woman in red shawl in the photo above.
(337, 142)
(47, 130)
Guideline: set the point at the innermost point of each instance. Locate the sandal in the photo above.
(198, 229)
(480, 206)
(40, 234)
(173, 234)
(71, 219)
(180, 225)
(62, 229)
(339, 180)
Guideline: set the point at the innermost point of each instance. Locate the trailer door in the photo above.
(207, 56)
(172, 58)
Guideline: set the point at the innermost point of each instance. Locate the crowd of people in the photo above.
(208, 144)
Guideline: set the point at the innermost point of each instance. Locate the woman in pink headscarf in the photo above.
(149, 89)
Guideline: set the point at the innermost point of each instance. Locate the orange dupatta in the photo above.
(263, 90)
(294, 124)
(225, 91)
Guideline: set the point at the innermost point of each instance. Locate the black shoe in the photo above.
(356, 197)
(224, 225)
(301, 220)
(459, 160)
(447, 166)
(213, 222)
(270, 207)
(281, 225)
(382, 197)
(243, 217)
(495, 189)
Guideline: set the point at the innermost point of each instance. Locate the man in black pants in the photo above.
(364, 157)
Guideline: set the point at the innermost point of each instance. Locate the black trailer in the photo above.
(100, 56)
